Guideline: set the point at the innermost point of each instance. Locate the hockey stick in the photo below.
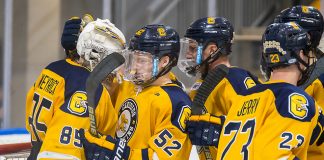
(213, 78)
(99, 73)
(210, 82)
(316, 72)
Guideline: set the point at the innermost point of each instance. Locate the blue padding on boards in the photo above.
(13, 131)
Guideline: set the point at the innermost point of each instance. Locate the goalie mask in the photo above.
(146, 49)
(201, 32)
(99, 39)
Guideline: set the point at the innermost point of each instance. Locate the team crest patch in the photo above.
(127, 120)
(298, 105)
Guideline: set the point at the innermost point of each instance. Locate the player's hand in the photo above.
(104, 147)
(72, 29)
(318, 132)
(204, 130)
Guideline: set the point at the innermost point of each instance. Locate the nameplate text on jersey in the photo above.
(48, 84)
(248, 107)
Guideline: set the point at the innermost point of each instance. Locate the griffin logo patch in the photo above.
(298, 105)
(127, 120)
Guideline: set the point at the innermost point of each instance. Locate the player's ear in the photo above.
(164, 61)
(212, 47)
(302, 55)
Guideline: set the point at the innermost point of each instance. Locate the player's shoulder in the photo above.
(241, 79)
(235, 73)
(176, 94)
(292, 102)
(67, 67)
(180, 104)
(73, 74)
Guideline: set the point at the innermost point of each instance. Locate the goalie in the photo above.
(56, 105)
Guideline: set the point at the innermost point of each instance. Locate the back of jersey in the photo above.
(272, 121)
(221, 98)
(60, 110)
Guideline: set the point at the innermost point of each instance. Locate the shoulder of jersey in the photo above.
(180, 105)
(176, 94)
(64, 69)
(73, 75)
(75, 80)
(292, 102)
(241, 79)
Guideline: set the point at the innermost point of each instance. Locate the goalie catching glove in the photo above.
(204, 130)
(105, 147)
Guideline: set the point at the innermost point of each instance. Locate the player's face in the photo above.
(189, 56)
(192, 50)
(139, 66)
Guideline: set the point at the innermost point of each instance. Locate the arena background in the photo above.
(30, 33)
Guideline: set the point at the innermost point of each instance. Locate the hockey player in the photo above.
(152, 115)
(207, 44)
(310, 19)
(273, 120)
(56, 105)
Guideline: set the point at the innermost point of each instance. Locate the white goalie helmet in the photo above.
(99, 39)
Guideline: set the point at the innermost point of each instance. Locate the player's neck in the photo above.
(288, 74)
(221, 60)
(162, 80)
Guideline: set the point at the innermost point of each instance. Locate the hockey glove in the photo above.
(318, 132)
(104, 148)
(72, 29)
(204, 130)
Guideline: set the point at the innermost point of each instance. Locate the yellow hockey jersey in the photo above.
(56, 109)
(274, 120)
(221, 98)
(153, 121)
(316, 90)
